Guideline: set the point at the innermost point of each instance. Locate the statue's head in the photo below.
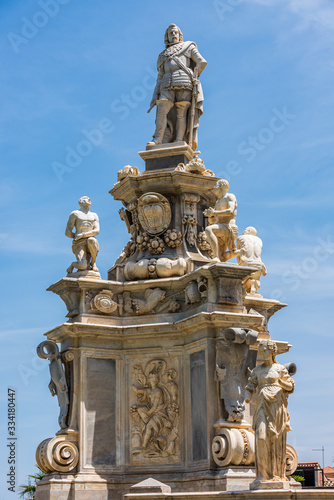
(154, 377)
(173, 35)
(268, 348)
(250, 230)
(84, 202)
(222, 185)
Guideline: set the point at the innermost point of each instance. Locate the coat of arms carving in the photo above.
(154, 213)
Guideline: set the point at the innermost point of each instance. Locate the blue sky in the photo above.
(267, 127)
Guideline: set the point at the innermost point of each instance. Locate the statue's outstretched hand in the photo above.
(209, 211)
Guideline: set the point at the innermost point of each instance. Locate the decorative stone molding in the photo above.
(67, 356)
(154, 213)
(189, 218)
(156, 245)
(173, 238)
(203, 244)
(291, 460)
(197, 290)
(234, 360)
(152, 297)
(103, 302)
(57, 454)
(195, 166)
(234, 447)
(155, 268)
(127, 171)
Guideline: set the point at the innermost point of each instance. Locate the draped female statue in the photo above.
(271, 419)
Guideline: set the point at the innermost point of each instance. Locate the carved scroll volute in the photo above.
(189, 217)
(233, 447)
(59, 454)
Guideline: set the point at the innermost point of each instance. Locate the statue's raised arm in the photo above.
(178, 93)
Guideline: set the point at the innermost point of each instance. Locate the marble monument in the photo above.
(155, 366)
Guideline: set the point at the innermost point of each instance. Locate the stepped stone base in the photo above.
(86, 486)
(313, 494)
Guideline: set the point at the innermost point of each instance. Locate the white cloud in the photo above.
(309, 11)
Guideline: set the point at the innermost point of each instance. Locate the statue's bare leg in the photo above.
(163, 107)
(81, 263)
(147, 434)
(213, 240)
(181, 119)
(93, 248)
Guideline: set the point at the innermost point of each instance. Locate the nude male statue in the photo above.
(85, 246)
(222, 230)
(179, 67)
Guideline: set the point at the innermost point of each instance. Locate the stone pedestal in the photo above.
(166, 156)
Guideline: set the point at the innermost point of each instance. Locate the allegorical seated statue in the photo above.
(85, 246)
(249, 248)
(222, 230)
(271, 419)
(178, 93)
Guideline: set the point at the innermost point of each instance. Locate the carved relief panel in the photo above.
(154, 411)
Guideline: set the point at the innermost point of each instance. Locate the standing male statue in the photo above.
(85, 246)
(178, 93)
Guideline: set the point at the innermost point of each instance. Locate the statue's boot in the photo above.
(163, 107)
(181, 119)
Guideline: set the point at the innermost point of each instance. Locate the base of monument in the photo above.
(85, 486)
(306, 494)
(230, 484)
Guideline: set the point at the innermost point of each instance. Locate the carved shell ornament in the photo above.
(103, 302)
(154, 213)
